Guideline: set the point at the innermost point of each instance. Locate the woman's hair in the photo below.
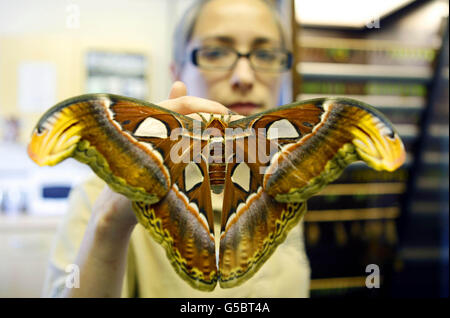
(185, 27)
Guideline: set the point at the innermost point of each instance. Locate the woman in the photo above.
(221, 52)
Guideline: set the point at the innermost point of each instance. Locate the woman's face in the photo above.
(243, 26)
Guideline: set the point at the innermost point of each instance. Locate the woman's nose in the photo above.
(243, 76)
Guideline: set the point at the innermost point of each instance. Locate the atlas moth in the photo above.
(266, 165)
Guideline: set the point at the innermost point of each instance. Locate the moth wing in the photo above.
(317, 139)
(142, 151)
(290, 153)
(124, 141)
(183, 223)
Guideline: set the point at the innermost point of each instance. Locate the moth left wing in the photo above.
(299, 148)
(146, 153)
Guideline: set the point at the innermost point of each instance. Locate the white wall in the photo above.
(144, 24)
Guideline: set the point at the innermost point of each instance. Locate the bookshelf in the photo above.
(365, 217)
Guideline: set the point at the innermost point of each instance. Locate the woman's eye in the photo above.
(265, 55)
(214, 54)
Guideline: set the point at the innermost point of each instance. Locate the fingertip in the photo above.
(177, 90)
(190, 104)
(221, 109)
(227, 111)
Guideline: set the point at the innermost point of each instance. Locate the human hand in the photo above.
(181, 103)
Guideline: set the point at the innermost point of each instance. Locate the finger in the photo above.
(190, 104)
(195, 116)
(178, 89)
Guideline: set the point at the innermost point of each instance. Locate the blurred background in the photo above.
(392, 54)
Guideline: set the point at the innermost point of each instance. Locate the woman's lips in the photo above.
(244, 108)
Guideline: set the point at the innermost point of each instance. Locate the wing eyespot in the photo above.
(282, 128)
(152, 127)
(193, 176)
(241, 176)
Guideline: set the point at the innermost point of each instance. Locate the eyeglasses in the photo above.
(225, 58)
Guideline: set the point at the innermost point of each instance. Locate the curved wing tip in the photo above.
(33, 156)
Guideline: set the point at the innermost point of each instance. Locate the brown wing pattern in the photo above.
(348, 131)
(85, 127)
(183, 223)
(253, 225)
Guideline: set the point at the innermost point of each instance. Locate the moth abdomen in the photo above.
(217, 176)
(216, 160)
